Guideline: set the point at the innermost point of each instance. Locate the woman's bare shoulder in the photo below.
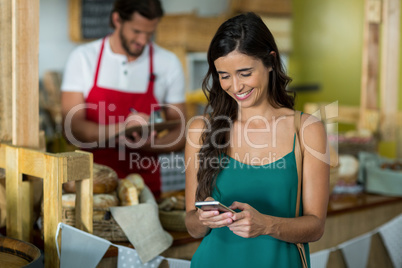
(195, 127)
(198, 122)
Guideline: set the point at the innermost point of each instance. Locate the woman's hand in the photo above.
(213, 218)
(249, 222)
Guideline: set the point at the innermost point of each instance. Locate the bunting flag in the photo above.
(356, 251)
(391, 234)
(128, 258)
(176, 263)
(79, 248)
(320, 259)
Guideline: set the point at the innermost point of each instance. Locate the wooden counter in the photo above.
(346, 203)
(348, 217)
(352, 215)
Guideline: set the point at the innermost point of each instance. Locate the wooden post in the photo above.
(51, 209)
(25, 74)
(84, 212)
(370, 59)
(390, 47)
(384, 16)
(13, 190)
(5, 72)
(25, 96)
(19, 115)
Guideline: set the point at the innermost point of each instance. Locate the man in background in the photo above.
(121, 79)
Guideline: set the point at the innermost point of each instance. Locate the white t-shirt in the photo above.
(118, 74)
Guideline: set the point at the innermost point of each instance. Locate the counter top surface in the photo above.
(343, 203)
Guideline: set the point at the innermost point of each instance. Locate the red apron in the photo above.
(145, 164)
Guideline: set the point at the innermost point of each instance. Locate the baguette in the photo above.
(128, 193)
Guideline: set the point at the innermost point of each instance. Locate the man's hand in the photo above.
(136, 140)
(136, 119)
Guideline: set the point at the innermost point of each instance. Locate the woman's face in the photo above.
(244, 78)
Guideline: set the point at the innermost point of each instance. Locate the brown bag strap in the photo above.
(300, 248)
(299, 163)
(299, 160)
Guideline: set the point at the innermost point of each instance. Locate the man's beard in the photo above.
(126, 47)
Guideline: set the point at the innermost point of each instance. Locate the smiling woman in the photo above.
(243, 154)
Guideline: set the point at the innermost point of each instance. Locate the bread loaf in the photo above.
(68, 200)
(105, 200)
(137, 181)
(128, 193)
(348, 169)
(173, 203)
(105, 180)
(99, 200)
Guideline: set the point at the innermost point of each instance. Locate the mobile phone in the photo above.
(213, 205)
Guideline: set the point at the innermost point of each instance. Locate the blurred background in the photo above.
(345, 61)
(321, 43)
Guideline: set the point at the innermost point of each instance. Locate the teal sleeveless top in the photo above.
(271, 189)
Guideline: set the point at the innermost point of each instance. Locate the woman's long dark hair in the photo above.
(247, 34)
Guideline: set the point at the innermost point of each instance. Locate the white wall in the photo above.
(54, 42)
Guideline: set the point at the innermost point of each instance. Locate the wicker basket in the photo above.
(104, 224)
(173, 220)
